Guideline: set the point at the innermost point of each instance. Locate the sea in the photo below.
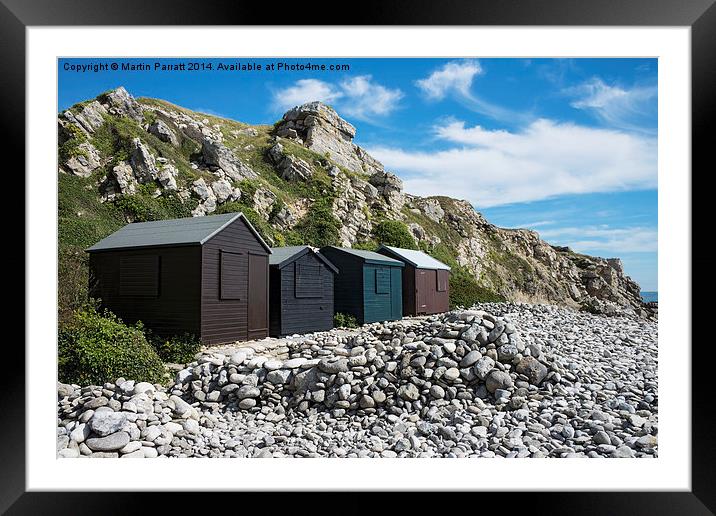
(648, 297)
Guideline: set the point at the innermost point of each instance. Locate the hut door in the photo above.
(258, 296)
(421, 291)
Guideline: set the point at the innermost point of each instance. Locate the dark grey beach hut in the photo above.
(301, 291)
(368, 285)
(204, 275)
(426, 281)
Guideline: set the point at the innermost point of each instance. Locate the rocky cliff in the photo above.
(302, 180)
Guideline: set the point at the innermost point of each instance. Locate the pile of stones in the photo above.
(465, 383)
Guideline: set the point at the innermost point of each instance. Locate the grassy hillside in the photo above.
(488, 263)
(84, 219)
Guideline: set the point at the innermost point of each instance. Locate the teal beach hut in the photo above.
(368, 286)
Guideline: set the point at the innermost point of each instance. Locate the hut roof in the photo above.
(185, 231)
(282, 256)
(417, 259)
(370, 256)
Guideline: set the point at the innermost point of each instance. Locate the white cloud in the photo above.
(536, 224)
(616, 106)
(455, 76)
(365, 98)
(209, 111)
(603, 239)
(455, 79)
(358, 97)
(306, 90)
(543, 160)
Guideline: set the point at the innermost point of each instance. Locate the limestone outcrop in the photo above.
(319, 128)
(219, 157)
(212, 161)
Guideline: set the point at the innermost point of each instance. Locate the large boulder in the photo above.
(284, 218)
(206, 196)
(217, 156)
(167, 175)
(105, 423)
(370, 191)
(498, 380)
(533, 369)
(224, 191)
(432, 209)
(276, 153)
(201, 190)
(390, 187)
(88, 119)
(143, 162)
(322, 130)
(263, 202)
(124, 178)
(84, 161)
(289, 167)
(162, 131)
(120, 102)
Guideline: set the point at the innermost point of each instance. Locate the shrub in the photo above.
(178, 349)
(465, 291)
(71, 147)
(72, 281)
(149, 116)
(275, 209)
(143, 207)
(319, 227)
(231, 207)
(344, 321)
(368, 245)
(83, 219)
(106, 141)
(248, 188)
(137, 207)
(394, 233)
(94, 348)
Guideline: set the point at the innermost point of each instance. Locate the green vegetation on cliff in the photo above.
(394, 233)
(82, 221)
(488, 263)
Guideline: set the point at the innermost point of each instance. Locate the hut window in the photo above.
(382, 281)
(139, 276)
(308, 280)
(233, 275)
(442, 277)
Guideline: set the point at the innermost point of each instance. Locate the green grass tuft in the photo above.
(394, 233)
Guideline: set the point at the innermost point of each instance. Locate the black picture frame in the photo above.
(700, 15)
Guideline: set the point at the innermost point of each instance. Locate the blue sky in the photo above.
(566, 147)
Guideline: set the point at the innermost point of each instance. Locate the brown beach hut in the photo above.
(204, 275)
(426, 281)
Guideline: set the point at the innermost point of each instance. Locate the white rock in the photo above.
(80, 433)
(144, 387)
